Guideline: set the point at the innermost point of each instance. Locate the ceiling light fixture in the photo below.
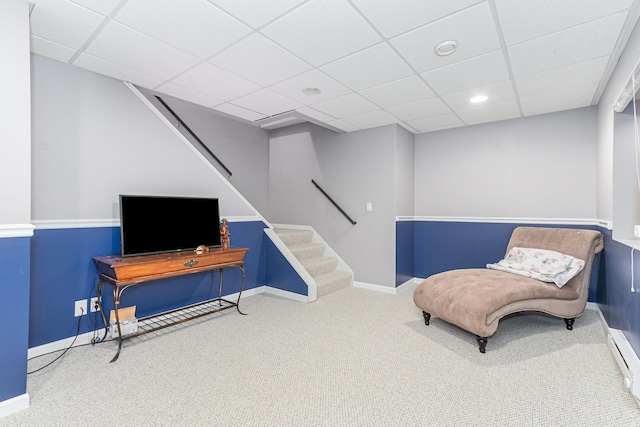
(446, 47)
(311, 91)
(478, 99)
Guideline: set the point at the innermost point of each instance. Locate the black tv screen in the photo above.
(156, 224)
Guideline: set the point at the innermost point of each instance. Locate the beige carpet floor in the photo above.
(353, 358)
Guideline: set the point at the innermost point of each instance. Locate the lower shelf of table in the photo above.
(180, 315)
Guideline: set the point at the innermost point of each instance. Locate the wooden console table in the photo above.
(123, 273)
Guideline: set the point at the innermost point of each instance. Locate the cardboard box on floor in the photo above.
(128, 321)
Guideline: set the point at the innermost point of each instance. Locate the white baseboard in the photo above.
(15, 404)
(62, 344)
(372, 287)
(286, 294)
(86, 338)
(387, 289)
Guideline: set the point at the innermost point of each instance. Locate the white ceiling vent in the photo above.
(288, 118)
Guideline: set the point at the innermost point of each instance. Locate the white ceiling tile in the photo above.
(342, 125)
(103, 7)
(345, 106)
(266, 102)
(474, 30)
(293, 87)
(256, 13)
(123, 46)
(574, 75)
(479, 71)
(393, 17)
(235, 111)
(361, 54)
(524, 20)
(260, 60)
(322, 31)
(498, 93)
(370, 67)
(495, 112)
(116, 71)
(50, 49)
(371, 119)
(190, 95)
(215, 82)
(210, 29)
(64, 23)
(563, 99)
(430, 124)
(417, 110)
(398, 92)
(577, 44)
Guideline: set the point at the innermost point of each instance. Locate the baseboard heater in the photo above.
(627, 360)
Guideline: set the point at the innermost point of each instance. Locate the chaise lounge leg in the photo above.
(482, 343)
(427, 316)
(569, 323)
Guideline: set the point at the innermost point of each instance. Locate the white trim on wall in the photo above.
(16, 230)
(386, 289)
(97, 223)
(555, 221)
(75, 223)
(15, 404)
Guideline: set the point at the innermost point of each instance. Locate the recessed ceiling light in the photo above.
(478, 99)
(446, 47)
(311, 91)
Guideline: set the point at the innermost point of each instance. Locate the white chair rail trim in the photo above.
(16, 230)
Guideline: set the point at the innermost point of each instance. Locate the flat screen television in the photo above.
(157, 224)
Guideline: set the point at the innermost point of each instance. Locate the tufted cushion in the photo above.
(469, 297)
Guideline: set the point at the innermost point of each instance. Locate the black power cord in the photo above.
(64, 352)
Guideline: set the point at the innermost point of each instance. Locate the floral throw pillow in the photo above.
(540, 264)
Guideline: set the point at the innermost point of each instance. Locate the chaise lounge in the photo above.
(476, 299)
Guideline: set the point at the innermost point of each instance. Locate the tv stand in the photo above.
(122, 273)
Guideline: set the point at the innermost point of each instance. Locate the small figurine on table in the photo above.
(224, 234)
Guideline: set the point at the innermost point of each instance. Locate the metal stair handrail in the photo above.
(333, 202)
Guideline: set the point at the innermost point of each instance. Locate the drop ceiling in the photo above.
(373, 61)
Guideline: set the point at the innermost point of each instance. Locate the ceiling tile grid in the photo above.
(348, 64)
(209, 28)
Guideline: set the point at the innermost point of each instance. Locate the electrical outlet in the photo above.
(93, 307)
(81, 307)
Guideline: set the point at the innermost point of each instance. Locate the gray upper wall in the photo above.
(405, 172)
(242, 148)
(15, 110)
(355, 169)
(535, 167)
(93, 139)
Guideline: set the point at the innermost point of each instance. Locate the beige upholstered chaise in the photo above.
(476, 299)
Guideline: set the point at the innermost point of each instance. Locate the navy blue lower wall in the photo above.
(618, 304)
(280, 274)
(440, 246)
(14, 316)
(405, 232)
(62, 271)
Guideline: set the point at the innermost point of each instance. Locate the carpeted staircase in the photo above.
(322, 268)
